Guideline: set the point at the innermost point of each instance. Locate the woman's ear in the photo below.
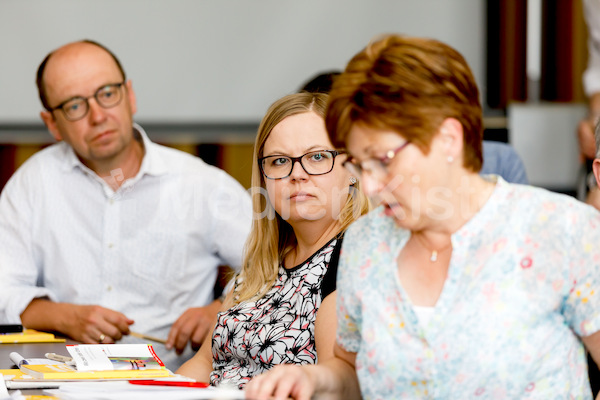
(451, 135)
(596, 168)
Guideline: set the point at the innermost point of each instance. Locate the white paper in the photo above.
(97, 357)
(3, 391)
(125, 390)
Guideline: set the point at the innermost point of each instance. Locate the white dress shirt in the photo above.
(149, 250)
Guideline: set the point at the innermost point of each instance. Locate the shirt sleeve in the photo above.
(18, 269)
(348, 299)
(515, 168)
(502, 159)
(591, 76)
(231, 211)
(582, 305)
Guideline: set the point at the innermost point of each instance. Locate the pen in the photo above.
(153, 382)
(58, 357)
(147, 337)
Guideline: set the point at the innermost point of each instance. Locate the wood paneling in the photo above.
(506, 52)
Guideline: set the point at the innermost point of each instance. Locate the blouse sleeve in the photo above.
(582, 304)
(348, 298)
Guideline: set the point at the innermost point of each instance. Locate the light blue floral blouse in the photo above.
(523, 285)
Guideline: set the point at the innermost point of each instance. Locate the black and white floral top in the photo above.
(253, 336)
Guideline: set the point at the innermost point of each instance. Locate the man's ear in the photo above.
(596, 168)
(451, 134)
(131, 96)
(50, 123)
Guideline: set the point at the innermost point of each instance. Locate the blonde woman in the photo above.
(281, 309)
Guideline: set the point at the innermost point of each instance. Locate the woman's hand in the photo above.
(283, 382)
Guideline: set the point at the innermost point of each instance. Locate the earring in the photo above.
(450, 159)
(352, 180)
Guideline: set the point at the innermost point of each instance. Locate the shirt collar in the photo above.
(152, 163)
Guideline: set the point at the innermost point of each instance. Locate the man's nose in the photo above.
(97, 113)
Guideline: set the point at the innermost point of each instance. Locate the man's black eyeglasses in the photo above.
(77, 107)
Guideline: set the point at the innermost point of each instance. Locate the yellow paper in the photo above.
(65, 372)
(40, 397)
(30, 336)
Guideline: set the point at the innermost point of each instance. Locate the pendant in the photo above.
(433, 257)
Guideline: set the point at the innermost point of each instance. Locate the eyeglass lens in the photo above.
(107, 96)
(374, 166)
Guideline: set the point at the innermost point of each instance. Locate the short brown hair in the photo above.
(409, 85)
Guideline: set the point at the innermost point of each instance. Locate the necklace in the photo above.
(434, 252)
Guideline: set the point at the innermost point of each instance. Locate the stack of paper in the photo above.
(101, 361)
(66, 372)
(16, 379)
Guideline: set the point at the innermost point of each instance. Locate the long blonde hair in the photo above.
(271, 238)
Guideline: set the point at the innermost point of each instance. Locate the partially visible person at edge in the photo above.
(282, 307)
(457, 286)
(106, 231)
(591, 86)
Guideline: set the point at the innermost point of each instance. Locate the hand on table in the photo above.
(282, 382)
(192, 326)
(84, 323)
(96, 324)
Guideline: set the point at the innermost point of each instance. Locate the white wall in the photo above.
(199, 61)
(543, 134)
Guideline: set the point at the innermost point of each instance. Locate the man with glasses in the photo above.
(105, 233)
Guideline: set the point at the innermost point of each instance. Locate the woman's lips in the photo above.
(301, 196)
(389, 208)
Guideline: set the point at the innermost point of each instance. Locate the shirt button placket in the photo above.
(110, 264)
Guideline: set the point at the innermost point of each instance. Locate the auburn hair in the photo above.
(408, 85)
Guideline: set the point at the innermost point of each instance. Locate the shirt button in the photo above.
(110, 245)
(111, 201)
(108, 288)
